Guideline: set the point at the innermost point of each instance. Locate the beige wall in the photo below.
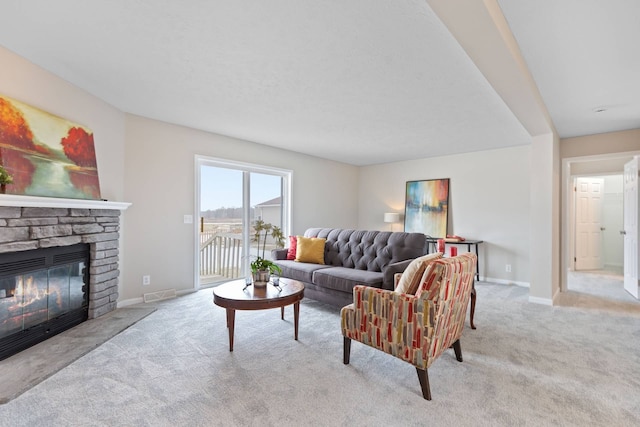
(545, 219)
(160, 182)
(26, 82)
(604, 143)
(489, 200)
(158, 176)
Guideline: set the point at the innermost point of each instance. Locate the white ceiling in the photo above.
(357, 81)
(584, 55)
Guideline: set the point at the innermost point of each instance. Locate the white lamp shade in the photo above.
(391, 217)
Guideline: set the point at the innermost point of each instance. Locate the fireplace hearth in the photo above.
(42, 292)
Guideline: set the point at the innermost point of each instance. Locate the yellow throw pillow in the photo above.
(310, 249)
(410, 279)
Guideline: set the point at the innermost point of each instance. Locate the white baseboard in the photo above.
(556, 296)
(159, 295)
(535, 300)
(538, 300)
(140, 300)
(504, 282)
(131, 301)
(614, 265)
(546, 301)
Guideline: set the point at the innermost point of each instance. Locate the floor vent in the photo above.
(160, 295)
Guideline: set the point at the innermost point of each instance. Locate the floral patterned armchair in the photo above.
(415, 328)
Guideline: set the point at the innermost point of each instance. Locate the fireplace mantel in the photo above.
(52, 202)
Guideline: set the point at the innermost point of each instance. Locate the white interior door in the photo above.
(589, 199)
(631, 227)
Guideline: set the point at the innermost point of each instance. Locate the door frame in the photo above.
(568, 209)
(246, 168)
(631, 238)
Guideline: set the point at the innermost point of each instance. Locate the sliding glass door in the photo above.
(232, 196)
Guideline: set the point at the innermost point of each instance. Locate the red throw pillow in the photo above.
(293, 247)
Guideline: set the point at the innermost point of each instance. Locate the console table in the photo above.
(432, 242)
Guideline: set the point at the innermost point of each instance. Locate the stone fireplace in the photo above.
(31, 223)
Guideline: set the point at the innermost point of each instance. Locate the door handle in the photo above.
(602, 228)
(623, 232)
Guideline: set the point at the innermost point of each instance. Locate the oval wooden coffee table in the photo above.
(231, 296)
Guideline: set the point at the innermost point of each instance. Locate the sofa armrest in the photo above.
(390, 271)
(279, 254)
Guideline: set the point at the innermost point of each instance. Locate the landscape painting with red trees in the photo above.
(45, 155)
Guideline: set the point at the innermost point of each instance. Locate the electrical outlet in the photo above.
(507, 268)
(146, 280)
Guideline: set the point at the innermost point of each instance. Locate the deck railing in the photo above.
(220, 254)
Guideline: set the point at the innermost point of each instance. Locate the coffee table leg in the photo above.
(231, 320)
(282, 312)
(296, 315)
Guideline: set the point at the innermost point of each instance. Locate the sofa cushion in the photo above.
(293, 247)
(410, 279)
(298, 270)
(344, 279)
(310, 249)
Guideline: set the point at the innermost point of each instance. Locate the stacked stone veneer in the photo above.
(23, 229)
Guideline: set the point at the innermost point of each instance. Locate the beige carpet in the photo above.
(526, 365)
(35, 364)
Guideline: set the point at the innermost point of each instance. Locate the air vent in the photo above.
(69, 257)
(38, 259)
(12, 267)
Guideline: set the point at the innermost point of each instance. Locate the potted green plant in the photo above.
(262, 268)
(5, 179)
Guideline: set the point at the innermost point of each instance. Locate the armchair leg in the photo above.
(458, 350)
(472, 312)
(424, 383)
(346, 350)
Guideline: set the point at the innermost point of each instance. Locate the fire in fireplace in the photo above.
(42, 293)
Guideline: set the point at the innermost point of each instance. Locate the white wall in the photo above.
(160, 181)
(488, 200)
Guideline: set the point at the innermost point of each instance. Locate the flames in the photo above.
(27, 292)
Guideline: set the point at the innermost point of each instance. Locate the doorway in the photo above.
(592, 243)
(598, 244)
(598, 222)
(231, 196)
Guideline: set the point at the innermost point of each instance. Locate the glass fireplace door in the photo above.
(36, 297)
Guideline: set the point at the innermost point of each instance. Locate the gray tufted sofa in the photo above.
(352, 257)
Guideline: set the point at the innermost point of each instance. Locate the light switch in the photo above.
(188, 219)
